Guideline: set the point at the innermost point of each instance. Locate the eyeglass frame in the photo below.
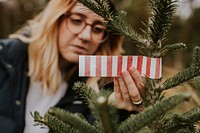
(67, 16)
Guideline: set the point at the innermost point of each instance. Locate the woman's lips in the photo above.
(79, 49)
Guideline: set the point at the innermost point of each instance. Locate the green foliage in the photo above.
(152, 113)
(187, 74)
(150, 44)
(53, 123)
(76, 121)
(181, 122)
(115, 22)
(172, 48)
(106, 114)
(196, 57)
(195, 82)
(156, 106)
(101, 7)
(161, 18)
(181, 77)
(107, 117)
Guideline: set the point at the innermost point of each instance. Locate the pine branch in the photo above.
(108, 115)
(172, 48)
(119, 25)
(190, 116)
(116, 23)
(161, 18)
(100, 7)
(74, 120)
(196, 57)
(152, 92)
(146, 117)
(53, 123)
(182, 130)
(101, 111)
(195, 83)
(182, 121)
(87, 93)
(91, 97)
(159, 23)
(186, 74)
(180, 78)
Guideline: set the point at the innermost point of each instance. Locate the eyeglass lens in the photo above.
(76, 24)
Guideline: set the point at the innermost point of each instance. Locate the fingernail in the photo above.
(132, 69)
(124, 73)
(141, 84)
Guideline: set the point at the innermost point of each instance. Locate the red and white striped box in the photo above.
(113, 66)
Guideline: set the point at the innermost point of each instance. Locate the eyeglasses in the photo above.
(77, 23)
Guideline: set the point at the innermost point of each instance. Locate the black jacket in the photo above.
(14, 84)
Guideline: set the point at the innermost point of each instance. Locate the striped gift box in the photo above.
(113, 66)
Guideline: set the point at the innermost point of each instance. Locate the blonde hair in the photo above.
(44, 54)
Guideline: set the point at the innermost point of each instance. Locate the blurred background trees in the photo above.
(186, 29)
(14, 13)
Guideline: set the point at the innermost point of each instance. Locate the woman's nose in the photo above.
(86, 34)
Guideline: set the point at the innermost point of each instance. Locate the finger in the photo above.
(137, 78)
(117, 91)
(124, 91)
(123, 100)
(132, 88)
(118, 95)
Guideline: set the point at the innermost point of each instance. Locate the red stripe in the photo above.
(87, 66)
(109, 66)
(130, 60)
(98, 65)
(139, 64)
(148, 65)
(119, 68)
(157, 68)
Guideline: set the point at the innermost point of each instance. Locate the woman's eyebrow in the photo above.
(80, 14)
(85, 17)
(99, 22)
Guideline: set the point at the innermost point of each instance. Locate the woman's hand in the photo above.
(128, 89)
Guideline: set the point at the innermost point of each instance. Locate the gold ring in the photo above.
(137, 103)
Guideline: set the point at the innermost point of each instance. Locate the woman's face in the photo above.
(80, 33)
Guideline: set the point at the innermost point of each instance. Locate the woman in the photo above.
(38, 68)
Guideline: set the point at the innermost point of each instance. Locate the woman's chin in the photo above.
(73, 58)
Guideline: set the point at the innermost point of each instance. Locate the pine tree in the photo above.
(153, 119)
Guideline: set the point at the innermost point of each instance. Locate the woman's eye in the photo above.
(98, 29)
(76, 21)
